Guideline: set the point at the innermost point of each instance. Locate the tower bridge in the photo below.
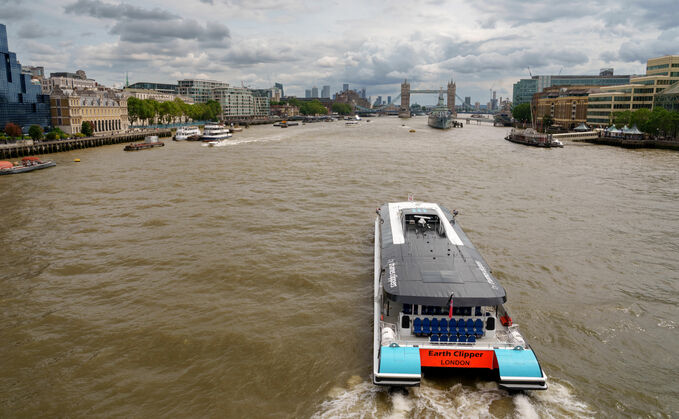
(404, 111)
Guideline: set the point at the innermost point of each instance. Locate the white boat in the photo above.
(183, 133)
(437, 305)
(215, 135)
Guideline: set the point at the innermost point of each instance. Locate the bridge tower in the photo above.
(451, 97)
(404, 111)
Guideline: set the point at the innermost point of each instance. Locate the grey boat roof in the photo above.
(427, 263)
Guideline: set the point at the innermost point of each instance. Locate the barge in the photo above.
(437, 305)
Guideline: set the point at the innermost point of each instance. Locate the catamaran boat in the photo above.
(437, 305)
(215, 135)
(183, 133)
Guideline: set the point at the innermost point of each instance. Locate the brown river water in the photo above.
(236, 281)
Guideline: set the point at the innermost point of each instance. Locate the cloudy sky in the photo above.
(372, 44)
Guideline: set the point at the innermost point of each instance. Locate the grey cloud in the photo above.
(641, 51)
(33, 31)
(99, 9)
(137, 31)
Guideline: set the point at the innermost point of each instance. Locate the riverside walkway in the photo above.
(44, 147)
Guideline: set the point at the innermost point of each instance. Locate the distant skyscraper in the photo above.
(280, 86)
(363, 93)
(345, 87)
(468, 100)
(314, 91)
(388, 100)
(307, 93)
(325, 92)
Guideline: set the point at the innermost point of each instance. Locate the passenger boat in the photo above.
(27, 164)
(437, 305)
(533, 138)
(215, 135)
(183, 133)
(149, 142)
(440, 117)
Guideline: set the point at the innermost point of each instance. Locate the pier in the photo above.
(44, 147)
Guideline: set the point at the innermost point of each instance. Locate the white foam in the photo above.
(362, 399)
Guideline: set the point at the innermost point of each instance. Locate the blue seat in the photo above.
(407, 309)
(471, 339)
(426, 327)
(462, 339)
(443, 325)
(443, 338)
(434, 325)
(452, 329)
(478, 324)
(470, 324)
(461, 323)
(453, 337)
(417, 326)
(434, 337)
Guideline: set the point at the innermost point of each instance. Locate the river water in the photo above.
(236, 281)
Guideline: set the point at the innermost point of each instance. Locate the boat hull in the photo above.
(440, 122)
(23, 169)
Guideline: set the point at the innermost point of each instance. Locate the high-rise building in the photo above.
(639, 93)
(21, 98)
(280, 86)
(524, 89)
(307, 93)
(468, 100)
(345, 87)
(363, 93)
(158, 87)
(314, 91)
(199, 90)
(388, 100)
(325, 92)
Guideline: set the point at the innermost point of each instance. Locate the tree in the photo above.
(522, 113)
(214, 109)
(313, 108)
(341, 108)
(35, 132)
(134, 108)
(13, 130)
(87, 128)
(547, 121)
(622, 118)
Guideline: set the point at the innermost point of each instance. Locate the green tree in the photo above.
(214, 109)
(341, 108)
(13, 130)
(622, 118)
(134, 109)
(36, 133)
(547, 121)
(87, 128)
(313, 107)
(522, 113)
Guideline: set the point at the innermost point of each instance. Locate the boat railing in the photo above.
(504, 339)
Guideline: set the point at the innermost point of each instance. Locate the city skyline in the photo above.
(302, 44)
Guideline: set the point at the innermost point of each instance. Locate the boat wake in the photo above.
(363, 399)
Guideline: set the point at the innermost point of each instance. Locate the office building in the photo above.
(199, 90)
(106, 109)
(307, 93)
(345, 87)
(668, 98)
(314, 91)
(639, 93)
(172, 89)
(22, 100)
(280, 87)
(325, 92)
(524, 89)
(240, 103)
(566, 105)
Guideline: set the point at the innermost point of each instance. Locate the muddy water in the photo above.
(236, 281)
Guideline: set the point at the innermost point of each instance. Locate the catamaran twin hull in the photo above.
(436, 304)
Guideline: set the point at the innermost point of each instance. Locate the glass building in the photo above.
(524, 89)
(21, 100)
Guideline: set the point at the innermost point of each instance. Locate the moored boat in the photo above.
(150, 141)
(531, 137)
(440, 117)
(437, 305)
(27, 164)
(184, 133)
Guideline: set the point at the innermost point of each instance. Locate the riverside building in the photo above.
(524, 89)
(104, 108)
(200, 90)
(240, 103)
(566, 105)
(639, 93)
(21, 98)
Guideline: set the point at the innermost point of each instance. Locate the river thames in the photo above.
(236, 281)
